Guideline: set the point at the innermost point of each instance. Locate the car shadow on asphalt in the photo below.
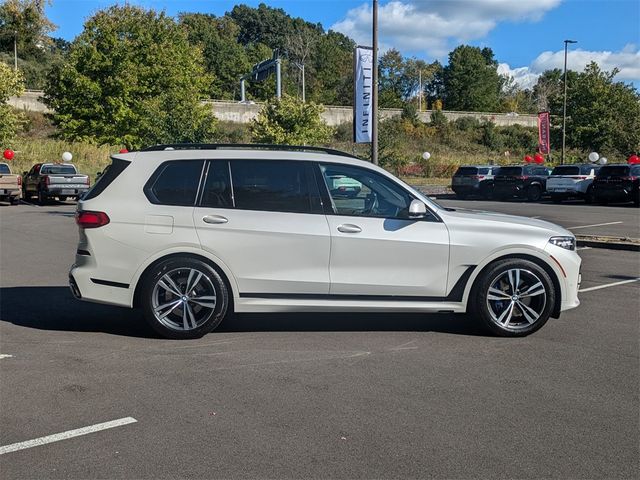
(55, 309)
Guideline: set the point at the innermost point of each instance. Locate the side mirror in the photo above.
(417, 209)
(24, 173)
(98, 174)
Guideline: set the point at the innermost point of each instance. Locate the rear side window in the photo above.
(467, 171)
(566, 170)
(543, 172)
(275, 186)
(4, 169)
(175, 183)
(635, 171)
(614, 171)
(217, 186)
(108, 176)
(483, 171)
(510, 171)
(59, 169)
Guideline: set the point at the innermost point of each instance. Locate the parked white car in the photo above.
(193, 232)
(572, 181)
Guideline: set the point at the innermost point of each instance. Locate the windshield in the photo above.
(59, 169)
(566, 170)
(4, 168)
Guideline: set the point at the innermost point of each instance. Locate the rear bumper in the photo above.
(67, 192)
(9, 192)
(86, 285)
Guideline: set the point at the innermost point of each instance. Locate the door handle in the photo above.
(214, 219)
(349, 228)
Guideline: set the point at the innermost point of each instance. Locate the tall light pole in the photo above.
(374, 89)
(15, 50)
(564, 105)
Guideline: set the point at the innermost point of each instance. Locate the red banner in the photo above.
(544, 145)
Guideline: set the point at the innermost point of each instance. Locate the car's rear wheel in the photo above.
(534, 193)
(513, 298)
(184, 298)
(42, 198)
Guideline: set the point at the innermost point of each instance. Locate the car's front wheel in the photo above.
(184, 298)
(513, 297)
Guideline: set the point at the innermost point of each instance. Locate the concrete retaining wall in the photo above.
(244, 113)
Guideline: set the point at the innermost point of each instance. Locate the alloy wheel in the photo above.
(516, 299)
(183, 299)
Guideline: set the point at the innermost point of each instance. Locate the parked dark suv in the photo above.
(617, 183)
(474, 180)
(523, 181)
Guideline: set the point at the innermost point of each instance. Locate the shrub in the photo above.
(289, 121)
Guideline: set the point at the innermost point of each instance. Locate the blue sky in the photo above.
(525, 35)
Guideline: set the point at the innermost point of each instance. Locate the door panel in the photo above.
(376, 249)
(389, 257)
(269, 252)
(270, 230)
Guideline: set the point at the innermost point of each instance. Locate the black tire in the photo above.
(589, 197)
(489, 311)
(534, 193)
(42, 198)
(196, 317)
(557, 198)
(14, 201)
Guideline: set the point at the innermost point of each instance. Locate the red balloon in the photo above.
(124, 150)
(633, 159)
(8, 154)
(528, 159)
(538, 158)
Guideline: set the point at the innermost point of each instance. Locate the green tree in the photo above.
(27, 21)
(470, 81)
(11, 84)
(131, 77)
(602, 115)
(331, 78)
(224, 57)
(288, 121)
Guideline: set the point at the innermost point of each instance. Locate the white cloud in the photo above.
(433, 26)
(627, 61)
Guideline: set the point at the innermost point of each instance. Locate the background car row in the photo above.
(592, 183)
(44, 181)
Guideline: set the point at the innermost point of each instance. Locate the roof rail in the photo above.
(245, 146)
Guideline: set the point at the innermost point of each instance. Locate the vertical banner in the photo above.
(362, 88)
(544, 145)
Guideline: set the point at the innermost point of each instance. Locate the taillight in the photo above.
(522, 177)
(88, 219)
(47, 180)
(87, 181)
(19, 181)
(630, 179)
(477, 177)
(578, 177)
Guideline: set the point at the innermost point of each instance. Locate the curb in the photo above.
(611, 243)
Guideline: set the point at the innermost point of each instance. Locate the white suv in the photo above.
(192, 232)
(568, 181)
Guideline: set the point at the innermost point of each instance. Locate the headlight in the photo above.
(568, 243)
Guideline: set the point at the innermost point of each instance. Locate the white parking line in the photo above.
(36, 442)
(594, 225)
(584, 248)
(607, 285)
(5, 355)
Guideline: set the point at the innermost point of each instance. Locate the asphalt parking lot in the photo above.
(310, 395)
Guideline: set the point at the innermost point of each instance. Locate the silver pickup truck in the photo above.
(49, 180)
(10, 185)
